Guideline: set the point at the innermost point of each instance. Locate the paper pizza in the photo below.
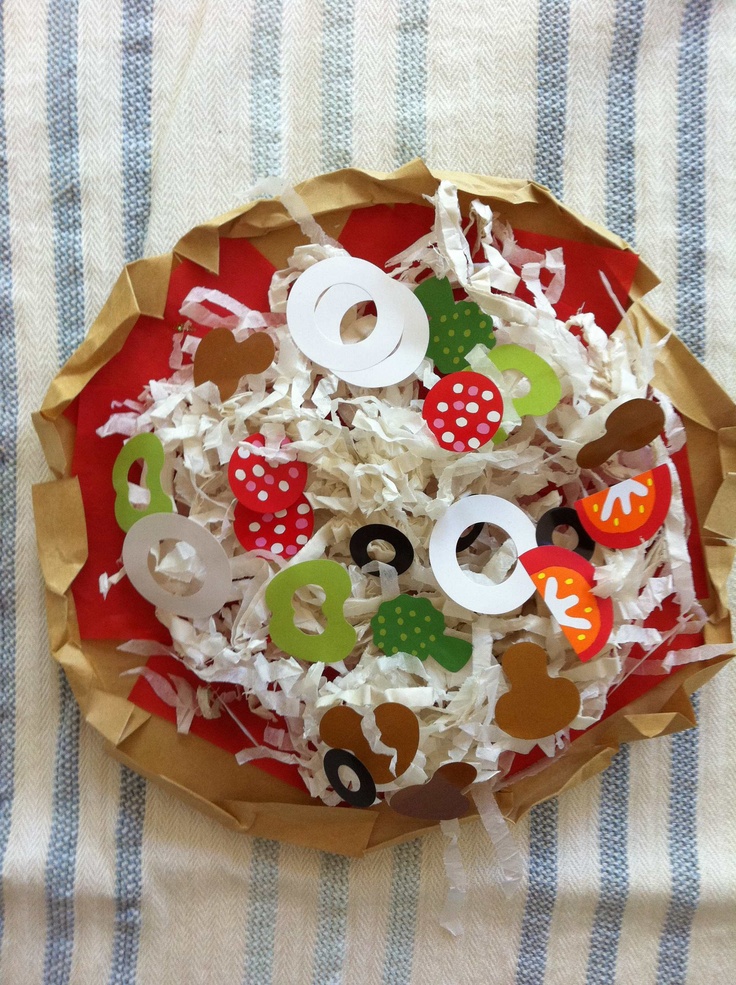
(384, 514)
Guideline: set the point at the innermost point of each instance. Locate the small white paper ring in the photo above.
(408, 354)
(149, 531)
(334, 304)
(489, 599)
(322, 343)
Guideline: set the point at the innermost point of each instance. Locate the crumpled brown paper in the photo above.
(243, 797)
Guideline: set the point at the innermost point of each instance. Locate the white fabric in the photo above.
(459, 84)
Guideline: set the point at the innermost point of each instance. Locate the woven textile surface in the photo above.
(122, 125)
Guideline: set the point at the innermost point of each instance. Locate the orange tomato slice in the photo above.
(629, 513)
(564, 581)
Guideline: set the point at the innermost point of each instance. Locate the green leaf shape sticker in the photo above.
(338, 637)
(149, 448)
(454, 328)
(412, 625)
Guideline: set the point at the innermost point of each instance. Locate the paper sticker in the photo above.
(338, 637)
(409, 624)
(283, 533)
(405, 358)
(489, 599)
(545, 391)
(463, 411)
(564, 580)
(261, 485)
(223, 360)
(364, 792)
(564, 516)
(440, 799)
(333, 282)
(629, 513)
(631, 426)
(398, 729)
(536, 705)
(322, 296)
(364, 536)
(149, 448)
(454, 327)
(143, 537)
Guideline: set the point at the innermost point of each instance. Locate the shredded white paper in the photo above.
(451, 917)
(509, 859)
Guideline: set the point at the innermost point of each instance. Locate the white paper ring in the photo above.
(149, 531)
(340, 276)
(407, 355)
(489, 599)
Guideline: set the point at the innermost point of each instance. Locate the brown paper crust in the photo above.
(243, 797)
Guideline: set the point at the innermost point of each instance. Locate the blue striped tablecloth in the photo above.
(122, 125)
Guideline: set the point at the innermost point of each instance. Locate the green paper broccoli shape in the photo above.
(453, 328)
(413, 625)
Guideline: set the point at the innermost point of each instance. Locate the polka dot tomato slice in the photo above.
(283, 533)
(565, 582)
(463, 411)
(262, 485)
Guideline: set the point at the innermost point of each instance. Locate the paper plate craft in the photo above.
(381, 504)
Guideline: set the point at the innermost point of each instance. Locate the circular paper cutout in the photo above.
(364, 536)
(151, 530)
(365, 794)
(463, 411)
(261, 485)
(564, 516)
(488, 598)
(282, 534)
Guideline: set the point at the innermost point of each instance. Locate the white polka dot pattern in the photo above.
(463, 411)
(261, 485)
(281, 534)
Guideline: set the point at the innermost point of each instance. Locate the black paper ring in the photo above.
(364, 536)
(564, 516)
(366, 792)
(469, 538)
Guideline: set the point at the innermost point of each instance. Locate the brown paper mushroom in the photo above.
(629, 427)
(537, 705)
(223, 360)
(342, 728)
(441, 798)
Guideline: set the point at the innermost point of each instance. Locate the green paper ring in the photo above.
(546, 390)
(149, 448)
(338, 638)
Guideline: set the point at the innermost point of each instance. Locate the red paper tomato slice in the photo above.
(564, 580)
(629, 513)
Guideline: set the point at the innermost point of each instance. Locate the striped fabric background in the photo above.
(123, 124)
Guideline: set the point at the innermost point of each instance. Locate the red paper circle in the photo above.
(463, 411)
(282, 533)
(263, 486)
